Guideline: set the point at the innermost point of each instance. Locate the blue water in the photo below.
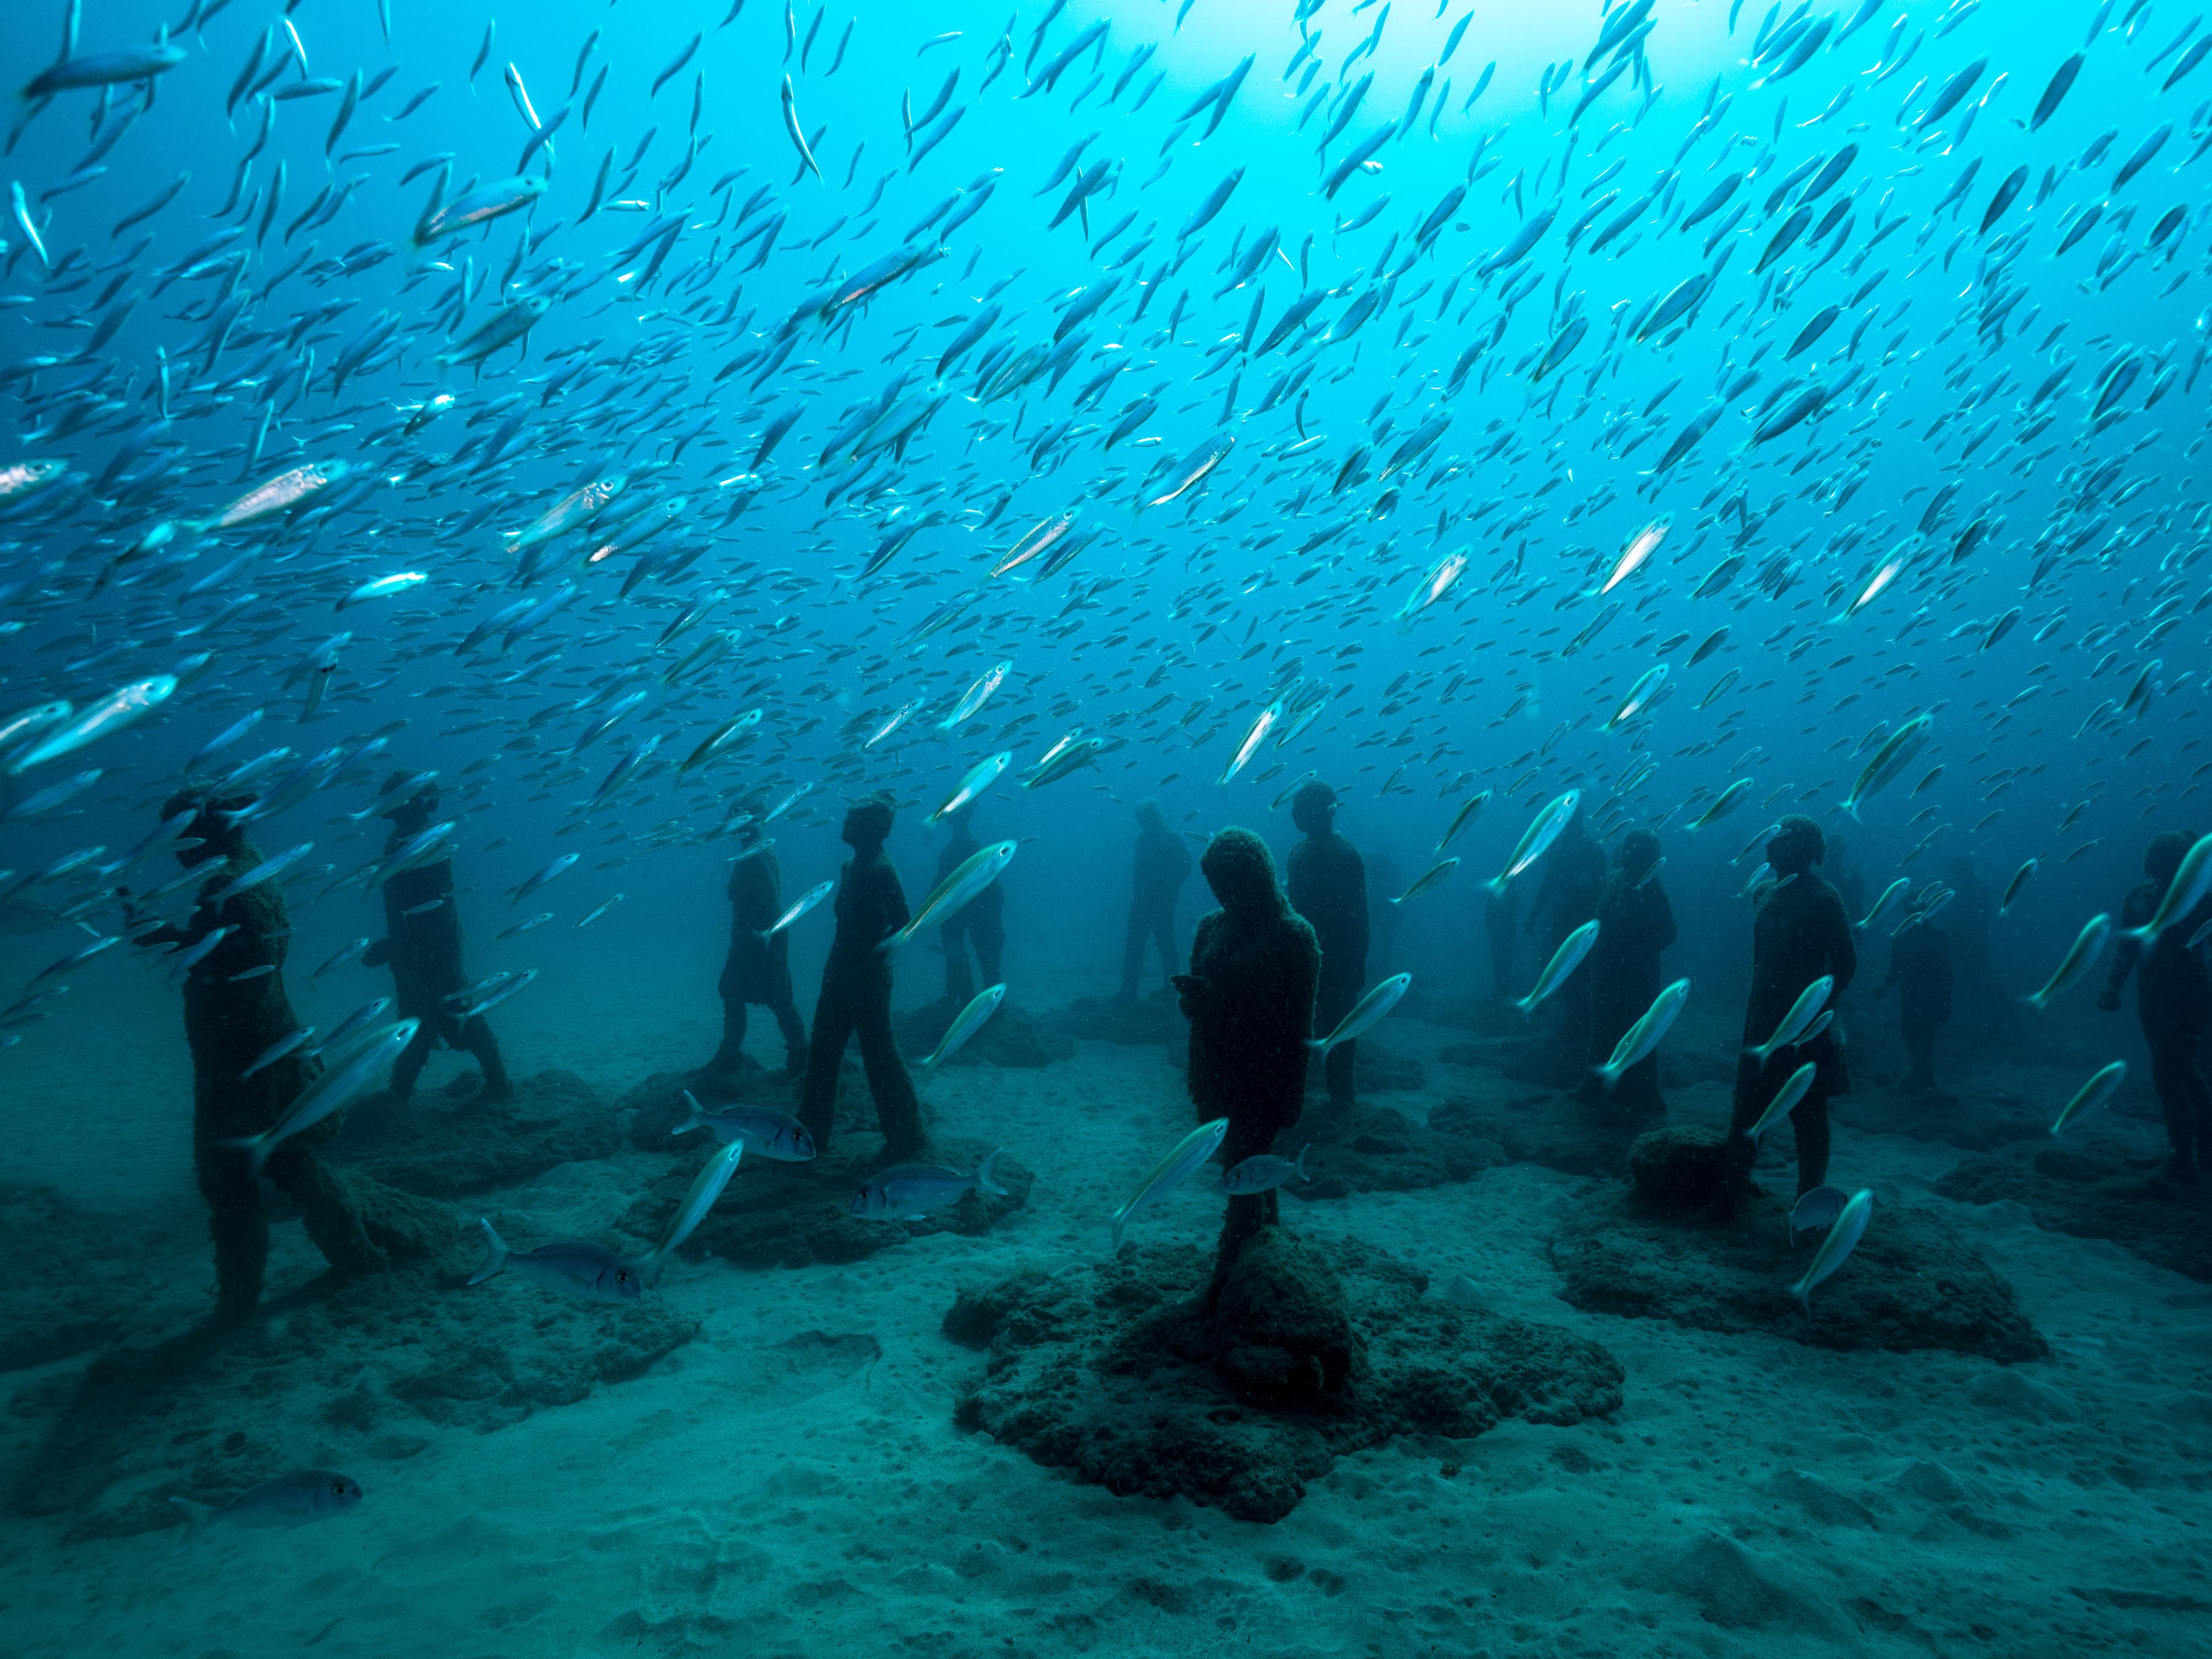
(1955, 466)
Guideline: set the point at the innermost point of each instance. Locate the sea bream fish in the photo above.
(289, 1500)
(913, 1192)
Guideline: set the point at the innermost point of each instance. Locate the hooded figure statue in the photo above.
(1329, 888)
(1799, 935)
(422, 945)
(1249, 997)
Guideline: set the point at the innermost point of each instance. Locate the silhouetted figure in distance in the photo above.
(1163, 865)
(1799, 932)
(1249, 997)
(1635, 923)
(856, 991)
(757, 969)
(2173, 1000)
(980, 922)
(1329, 888)
(421, 944)
(1970, 917)
(1574, 875)
(1920, 966)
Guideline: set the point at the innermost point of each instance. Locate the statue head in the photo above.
(1313, 809)
(868, 823)
(2162, 858)
(1639, 851)
(1239, 869)
(1796, 847)
(411, 816)
(212, 826)
(1150, 816)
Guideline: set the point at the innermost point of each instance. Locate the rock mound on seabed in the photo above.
(1378, 1149)
(2106, 1188)
(1011, 1037)
(1660, 1248)
(1114, 1371)
(353, 1377)
(446, 1144)
(81, 1280)
(791, 1215)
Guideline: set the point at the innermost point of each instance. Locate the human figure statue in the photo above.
(1329, 888)
(2173, 1000)
(422, 945)
(1501, 923)
(1920, 966)
(235, 1011)
(758, 967)
(1799, 932)
(1574, 876)
(1635, 923)
(1972, 914)
(980, 922)
(856, 991)
(1255, 965)
(1163, 865)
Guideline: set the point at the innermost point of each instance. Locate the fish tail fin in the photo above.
(1494, 887)
(1851, 807)
(1319, 1045)
(1121, 1221)
(695, 1118)
(1299, 1168)
(494, 1255)
(1608, 1074)
(983, 1175)
(1526, 1005)
(196, 1515)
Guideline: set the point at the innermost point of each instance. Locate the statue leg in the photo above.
(476, 1038)
(896, 1108)
(794, 1033)
(825, 1053)
(1809, 1118)
(333, 1220)
(959, 983)
(2183, 1097)
(1243, 1216)
(989, 933)
(240, 1228)
(413, 1058)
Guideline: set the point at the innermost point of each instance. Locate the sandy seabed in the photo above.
(791, 1481)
